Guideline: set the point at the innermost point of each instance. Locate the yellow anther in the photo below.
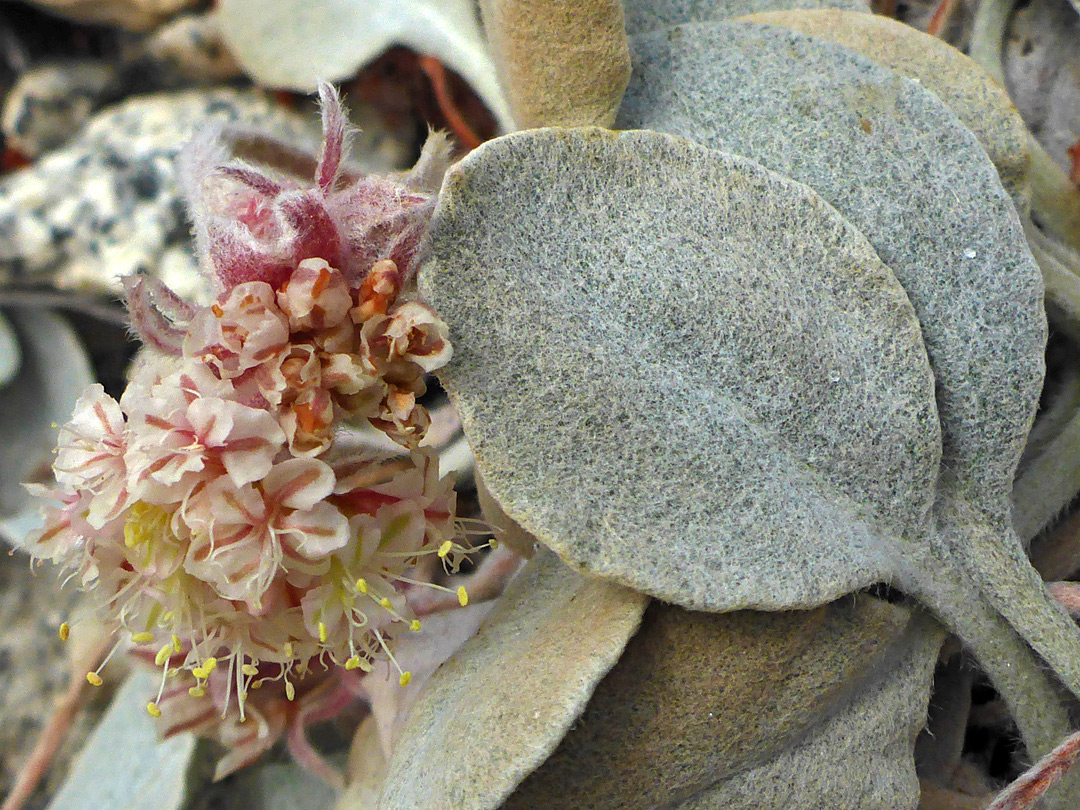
(405, 678)
(288, 649)
(152, 709)
(65, 631)
(197, 692)
(462, 596)
(361, 585)
(352, 663)
(163, 655)
(445, 548)
(93, 679)
(290, 690)
(494, 544)
(209, 664)
(200, 673)
(176, 643)
(249, 669)
(256, 685)
(322, 633)
(415, 625)
(142, 638)
(384, 602)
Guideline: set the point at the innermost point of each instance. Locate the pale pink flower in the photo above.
(243, 330)
(400, 418)
(64, 530)
(241, 536)
(180, 439)
(406, 343)
(90, 455)
(348, 375)
(200, 509)
(309, 423)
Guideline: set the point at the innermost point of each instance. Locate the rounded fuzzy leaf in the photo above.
(698, 697)
(643, 16)
(859, 759)
(498, 708)
(959, 81)
(892, 159)
(10, 354)
(560, 62)
(680, 370)
(52, 371)
(365, 770)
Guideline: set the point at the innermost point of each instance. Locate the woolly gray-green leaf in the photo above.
(892, 159)
(859, 759)
(52, 371)
(365, 770)
(698, 697)
(496, 710)
(643, 16)
(688, 374)
(680, 370)
(960, 82)
(560, 62)
(124, 765)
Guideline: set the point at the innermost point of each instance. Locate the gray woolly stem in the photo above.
(994, 560)
(1026, 687)
(939, 747)
(1053, 419)
(1055, 199)
(988, 36)
(1049, 482)
(1060, 268)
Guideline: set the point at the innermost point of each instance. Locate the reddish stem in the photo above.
(1036, 780)
(327, 702)
(1074, 157)
(1067, 595)
(52, 736)
(436, 73)
(942, 15)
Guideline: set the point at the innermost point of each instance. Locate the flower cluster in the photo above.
(209, 510)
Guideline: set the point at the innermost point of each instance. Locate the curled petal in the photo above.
(299, 483)
(244, 330)
(248, 438)
(314, 532)
(315, 296)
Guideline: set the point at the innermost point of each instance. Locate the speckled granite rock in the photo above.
(1042, 68)
(108, 204)
(190, 48)
(50, 102)
(134, 15)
